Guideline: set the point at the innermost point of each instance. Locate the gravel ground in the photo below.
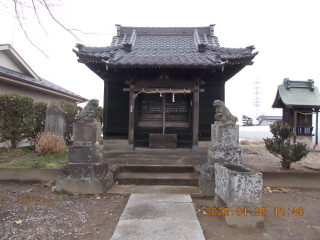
(33, 211)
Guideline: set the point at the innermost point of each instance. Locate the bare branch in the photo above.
(35, 10)
(75, 36)
(19, 20)
(89, 33)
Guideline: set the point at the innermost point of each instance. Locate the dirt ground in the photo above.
(33, 211)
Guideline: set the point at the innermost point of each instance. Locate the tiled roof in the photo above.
(297, 94)
(184, 47)
(43, 83)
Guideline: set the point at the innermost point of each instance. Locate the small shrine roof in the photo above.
(297, 94)
(167, 47)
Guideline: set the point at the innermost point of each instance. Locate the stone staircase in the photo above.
(155, 179)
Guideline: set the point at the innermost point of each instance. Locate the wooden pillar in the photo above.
(317, 129)
(163, 113)
(195, 119)
(131, 121)
(105, 109)
(222, 91)
(295, 127)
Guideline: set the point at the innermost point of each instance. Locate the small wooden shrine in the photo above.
(163, 81)
(299, 100)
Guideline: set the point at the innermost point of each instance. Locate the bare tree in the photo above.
(18, 9)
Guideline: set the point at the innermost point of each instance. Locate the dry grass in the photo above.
(244, 142)
(257, 142)
(48, 142)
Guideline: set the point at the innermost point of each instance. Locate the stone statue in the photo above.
(223, 115)
(89, 113)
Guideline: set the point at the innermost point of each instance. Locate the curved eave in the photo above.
(157, 65)
(276, 99)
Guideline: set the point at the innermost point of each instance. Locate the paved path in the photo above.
(159, 216)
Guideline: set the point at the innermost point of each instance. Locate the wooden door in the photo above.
(176, 112)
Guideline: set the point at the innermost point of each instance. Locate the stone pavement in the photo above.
(159, 216)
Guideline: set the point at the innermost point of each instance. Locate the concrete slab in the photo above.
(134, 189)
(158, 229)
(160, 210)
(159, 216)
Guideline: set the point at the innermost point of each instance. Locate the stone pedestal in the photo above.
(225, 144)
(84, 178)
(86, 144)
(224, 148)
(240, 188)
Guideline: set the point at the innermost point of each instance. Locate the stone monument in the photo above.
(224, 147)
(57, 121)
(85, 173)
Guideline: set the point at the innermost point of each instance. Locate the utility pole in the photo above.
(256, 100)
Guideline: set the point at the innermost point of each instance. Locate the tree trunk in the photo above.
(285, 164)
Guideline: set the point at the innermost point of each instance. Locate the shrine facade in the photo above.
(163, 81)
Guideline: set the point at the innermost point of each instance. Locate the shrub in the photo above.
(48, 142)
(16, 118)
(281, 147)
(39, 118)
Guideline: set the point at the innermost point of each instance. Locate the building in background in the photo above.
(267, 120)
(17, 76)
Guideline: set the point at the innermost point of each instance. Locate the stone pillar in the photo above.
(85, 173)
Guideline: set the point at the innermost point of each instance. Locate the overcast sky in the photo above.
(286, 34)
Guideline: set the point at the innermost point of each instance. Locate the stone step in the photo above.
(157, 178)
(145, 189)
(158, 168)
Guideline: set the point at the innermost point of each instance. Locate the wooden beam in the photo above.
(295, 127)
(131, 121)
(105, 109)
(195, 118)
(160, 89)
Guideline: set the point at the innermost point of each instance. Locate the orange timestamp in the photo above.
(238, 212)
(258, 212)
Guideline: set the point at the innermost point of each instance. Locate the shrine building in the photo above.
(299, 100)
(160, 83)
